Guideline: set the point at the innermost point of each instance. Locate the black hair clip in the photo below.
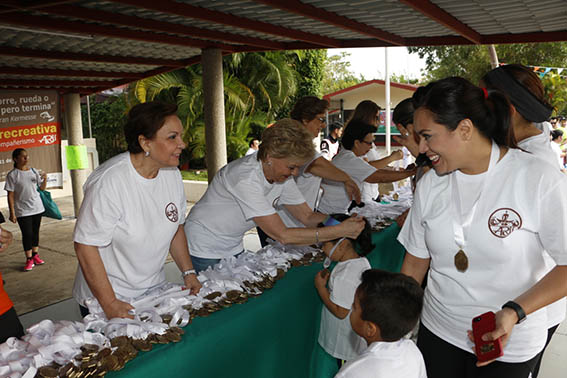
(353, 204)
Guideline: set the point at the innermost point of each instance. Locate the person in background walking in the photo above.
(25, 204)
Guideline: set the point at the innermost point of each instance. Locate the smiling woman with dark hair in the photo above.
(132, 215)
(480, 221)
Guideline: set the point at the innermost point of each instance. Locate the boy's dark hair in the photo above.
(392, 301)
(556, 134)
(335, 125)
(363, 243)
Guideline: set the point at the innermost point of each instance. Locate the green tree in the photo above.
(337, 74)
(310, 68)
(107, 122)
(556, 88)
(472, 62)
(403, 79)
(256, 87)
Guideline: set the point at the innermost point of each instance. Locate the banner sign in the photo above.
(31, 120)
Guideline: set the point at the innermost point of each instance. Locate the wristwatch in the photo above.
(518, 309)
(188, 272)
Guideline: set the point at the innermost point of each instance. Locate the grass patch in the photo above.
(197, 175)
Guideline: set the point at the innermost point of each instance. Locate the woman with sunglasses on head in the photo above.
(479, 220)
(310, 111)
(358, 139)
(529, 106)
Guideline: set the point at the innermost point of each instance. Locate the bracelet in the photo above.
(317, 236)
(518, 309)
(188, 272)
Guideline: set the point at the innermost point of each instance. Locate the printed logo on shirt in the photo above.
(275, 203)
(504, 221)
(171, 212)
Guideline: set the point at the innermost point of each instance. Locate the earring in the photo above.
(147, 154)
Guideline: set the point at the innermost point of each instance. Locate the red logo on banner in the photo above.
(43, 134)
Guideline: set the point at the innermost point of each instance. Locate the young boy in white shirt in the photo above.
(386, 307)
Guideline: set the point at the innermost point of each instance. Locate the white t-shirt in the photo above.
(557, 150)
(541, 147)
(250, 151)
(26, 197)
(523, 211)
(238, 193)
(336, 335)
(398, 359)
(329, 148)
(308, 185)
(132, 221)
(369, 192)
(335, 199)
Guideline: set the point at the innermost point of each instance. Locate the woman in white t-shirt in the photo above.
(479, 221)
(132, 216)
(357, 140)
(368, 112)
(310, 112)
(556, 139)
(248, 192)
(25, 204)
(529, 106)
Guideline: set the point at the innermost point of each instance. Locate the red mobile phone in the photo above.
(485, 350)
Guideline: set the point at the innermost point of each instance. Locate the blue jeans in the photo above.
(202, 263)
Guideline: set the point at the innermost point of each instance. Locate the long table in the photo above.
(272, 335)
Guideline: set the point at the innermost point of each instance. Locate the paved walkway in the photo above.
(45, 292)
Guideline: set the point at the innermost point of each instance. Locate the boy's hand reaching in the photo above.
(321, 278)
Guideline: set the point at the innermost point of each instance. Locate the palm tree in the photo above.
(256, 85)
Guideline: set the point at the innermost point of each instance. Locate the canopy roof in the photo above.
(87, 46)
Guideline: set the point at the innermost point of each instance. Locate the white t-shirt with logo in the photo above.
(329, 148)
(26, 197)
(308, 185)
(398, 359)
(336, 335)
(523, 211)
(334, 198)
(132, 221)
(239, 192)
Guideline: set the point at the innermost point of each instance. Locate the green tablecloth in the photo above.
(273, 335)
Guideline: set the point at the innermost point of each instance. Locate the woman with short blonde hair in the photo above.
(249, 191)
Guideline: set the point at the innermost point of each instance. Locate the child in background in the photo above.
(336, 336)
(386, 307)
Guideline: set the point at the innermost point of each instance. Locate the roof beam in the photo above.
(27, 20)
(319, 14)
(18, 5)
(159, 26)
(525, 37)
(52, 55)
(432, 11)
(191, 11)
(58, 83)
(72, 73)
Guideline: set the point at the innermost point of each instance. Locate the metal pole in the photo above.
(387, 115)
(89, 117)
(493, 56)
